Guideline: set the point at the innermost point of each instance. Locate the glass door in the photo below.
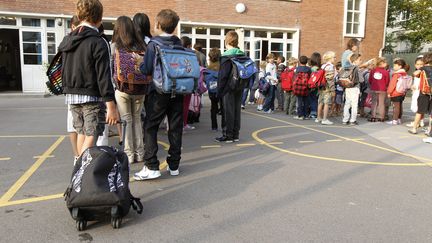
(33, 73)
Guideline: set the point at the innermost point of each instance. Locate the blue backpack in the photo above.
(176, 70)
(243, 72)
(211, 78)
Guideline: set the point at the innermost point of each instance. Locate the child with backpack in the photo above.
(86, 76)
(131, 85)
(259, 94)
(280, 62)
(271, 70)
(300, 87)
(315, 64)
(211, 77)
(287, 77)
(351, 79)
(398, 86)
(379, 78)
(327, 91)
(161, 104)
(416, 89)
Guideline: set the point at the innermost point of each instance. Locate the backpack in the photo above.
(317, 80)
(176, 70)
(403, 84)
(201, 84)
(126, 72)
(425, 84)
(195, 103)
(348, 77)
(54, 73)
(243, 71)
(300, 84)
(264, 85)
(211, 78)
(287, 79)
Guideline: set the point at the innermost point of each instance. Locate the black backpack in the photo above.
(54, 73)
(100, 186)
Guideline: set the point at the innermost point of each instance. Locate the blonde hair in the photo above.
(328, 56)
(292, 61)
(270, 56)
(379, 61)
(263, 65)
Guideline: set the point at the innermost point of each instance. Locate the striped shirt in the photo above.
(75, 99)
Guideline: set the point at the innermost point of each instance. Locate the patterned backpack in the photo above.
(54, 73)
(300, 84)
(127, 74)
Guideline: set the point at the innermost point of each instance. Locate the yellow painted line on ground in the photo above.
(5, 158)
(423, 159)
(39, 156)
(165, 145)
(210, 146)
(245, 145)
(405, 136)
(306, 141)
(31, 136)
(20, 182)
(257, 138)
(334, 140)
(31, 200)
(275, 143)
(355, 139)
(384, 138)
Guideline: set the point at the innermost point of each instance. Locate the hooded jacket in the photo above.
(225, 70)
(379, 79)
(86, 64)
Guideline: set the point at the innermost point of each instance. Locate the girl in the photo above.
(272, 78)
(400, 69)
(131, 85)
(415, 89)
(379, 78)
(142, 26)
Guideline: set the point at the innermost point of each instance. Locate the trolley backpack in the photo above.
(300, 84)
(242, 72)
(348, 77)
(403, 84)
(54, 73)
(287, 79)
(176, 70)
(126, 72)
(210, 78)
(100, 186)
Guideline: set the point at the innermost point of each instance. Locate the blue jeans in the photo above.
(313, 102)
(302, 102)
(270, 99)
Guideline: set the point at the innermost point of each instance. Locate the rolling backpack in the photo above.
(176, 70)
(287, 79)
(403, 84)
(126, 72)
(300, 84)
(54, 73)
(243, 71)
(210, 79)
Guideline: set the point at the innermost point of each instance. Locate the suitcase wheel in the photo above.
(81, 225)
(116, 222)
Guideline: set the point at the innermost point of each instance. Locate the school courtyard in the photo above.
(285, 181)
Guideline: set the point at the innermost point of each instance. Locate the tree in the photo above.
(417, 26)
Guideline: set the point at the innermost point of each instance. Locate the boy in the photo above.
(231, 99)
(280, 61)
(352, 94)
(289, 97)
(300, 89)
(87, 77)
(161, 105)
(326, 94)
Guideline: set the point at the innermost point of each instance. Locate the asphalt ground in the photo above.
(285, 181)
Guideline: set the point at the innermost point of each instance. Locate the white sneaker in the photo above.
(427, 140)
(146, 174)
(189, 127)
(317, 120)
(326, 122)
(422, 123)
(173, 172)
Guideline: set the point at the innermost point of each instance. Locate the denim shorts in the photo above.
(87, 118)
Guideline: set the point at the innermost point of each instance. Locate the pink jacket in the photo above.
(379, 79)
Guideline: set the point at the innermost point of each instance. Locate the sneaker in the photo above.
(427, 140)
(344, 123)
(269, 112)
(399, 121)
(313, 116)
(317, 120)
(326, 122)
(354, 123)
(394, 122)
(411, 124)
(236, 139)
(243, 107)
(224, 139)
(251, 103)
(188, 127)
(173, 172)
(422, 123)
(146, 174)
(298, 117)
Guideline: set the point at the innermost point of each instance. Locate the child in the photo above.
(352, 94)
(400, 69)
(271, 71)
(290, 99)
(161, 105)
(280, 61)
(365, 87)
(338, 99)
(425, 99)
(315, 64)
(259, 96)
(415, 89)
(300, 90)
(87, 76)
(214, 56)
(326, 94)
(379, 78)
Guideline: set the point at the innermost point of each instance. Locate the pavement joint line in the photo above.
(211, 146)
(39, 156)
(23, 179)
(5, 158)
(425, 161)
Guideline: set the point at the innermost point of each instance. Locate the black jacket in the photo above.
(86, 64)
(225, 75)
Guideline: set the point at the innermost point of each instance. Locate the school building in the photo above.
(31, 30)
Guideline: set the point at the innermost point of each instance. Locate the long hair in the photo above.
(125, 35)
(315, 60)
(142, 25)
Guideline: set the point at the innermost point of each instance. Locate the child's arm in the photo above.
(112, 114)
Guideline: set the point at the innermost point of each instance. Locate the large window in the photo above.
(32, 47)
(355, 18)
(51, 46)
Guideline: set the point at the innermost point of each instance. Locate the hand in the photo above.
(417, 73)
(112, 116)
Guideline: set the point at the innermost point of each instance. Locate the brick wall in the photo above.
(320, 21)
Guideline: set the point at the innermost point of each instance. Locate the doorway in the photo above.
(10, 64)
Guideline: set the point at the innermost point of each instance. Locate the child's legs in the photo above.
(186, 103)
(137, 104)
(86, 119)
(354, 104)
(175, 133)
(214, 110)
(396, 109)
(328, 99)
(381, 104)
(124, 105)
(73, 136)
(287, 98)
(313, 102)
(292, 102)
(347, 106)
(300, 106)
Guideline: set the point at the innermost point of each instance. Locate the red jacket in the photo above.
(391, 90)
(379, 79)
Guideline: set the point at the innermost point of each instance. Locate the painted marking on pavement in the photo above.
(334, 140)
(20, 182)
(5, 158)
(306, 141)
(210, 146)
(165, 145)
(275, 143)
(39, 156)
(245, 145)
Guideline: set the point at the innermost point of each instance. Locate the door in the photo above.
(10, 65)
(33, 68)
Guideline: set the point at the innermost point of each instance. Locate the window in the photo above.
(32, 47)
(289, 51)
(262, 34)
(355, 18)
(277, 35)
(7, 20)
(201, 31)
(51, 46)
(108, 25)
(203, 43)
(186, 30)
(276, 48)
(215, 31)
(50, 23)
(31, 22)
(247, 48)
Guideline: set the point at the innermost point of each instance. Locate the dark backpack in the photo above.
(126, 72)
(54, 73)
(211, 78)
(300, 84)
(348, 77)
(242, 72)
(287, 77)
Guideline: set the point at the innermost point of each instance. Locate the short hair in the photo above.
(232, 38)
(167, 20)
(328, 56)
(292, 61)
(354, 57)
(427, 58)
(186, 41)
(270, 56)
(282, 58)
(338, 65)
(352, 42)
(379, 61)
(89, 10)
(214, 54)
(303, 60)
(74, 21)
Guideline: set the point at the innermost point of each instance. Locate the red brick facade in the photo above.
(320, 21)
